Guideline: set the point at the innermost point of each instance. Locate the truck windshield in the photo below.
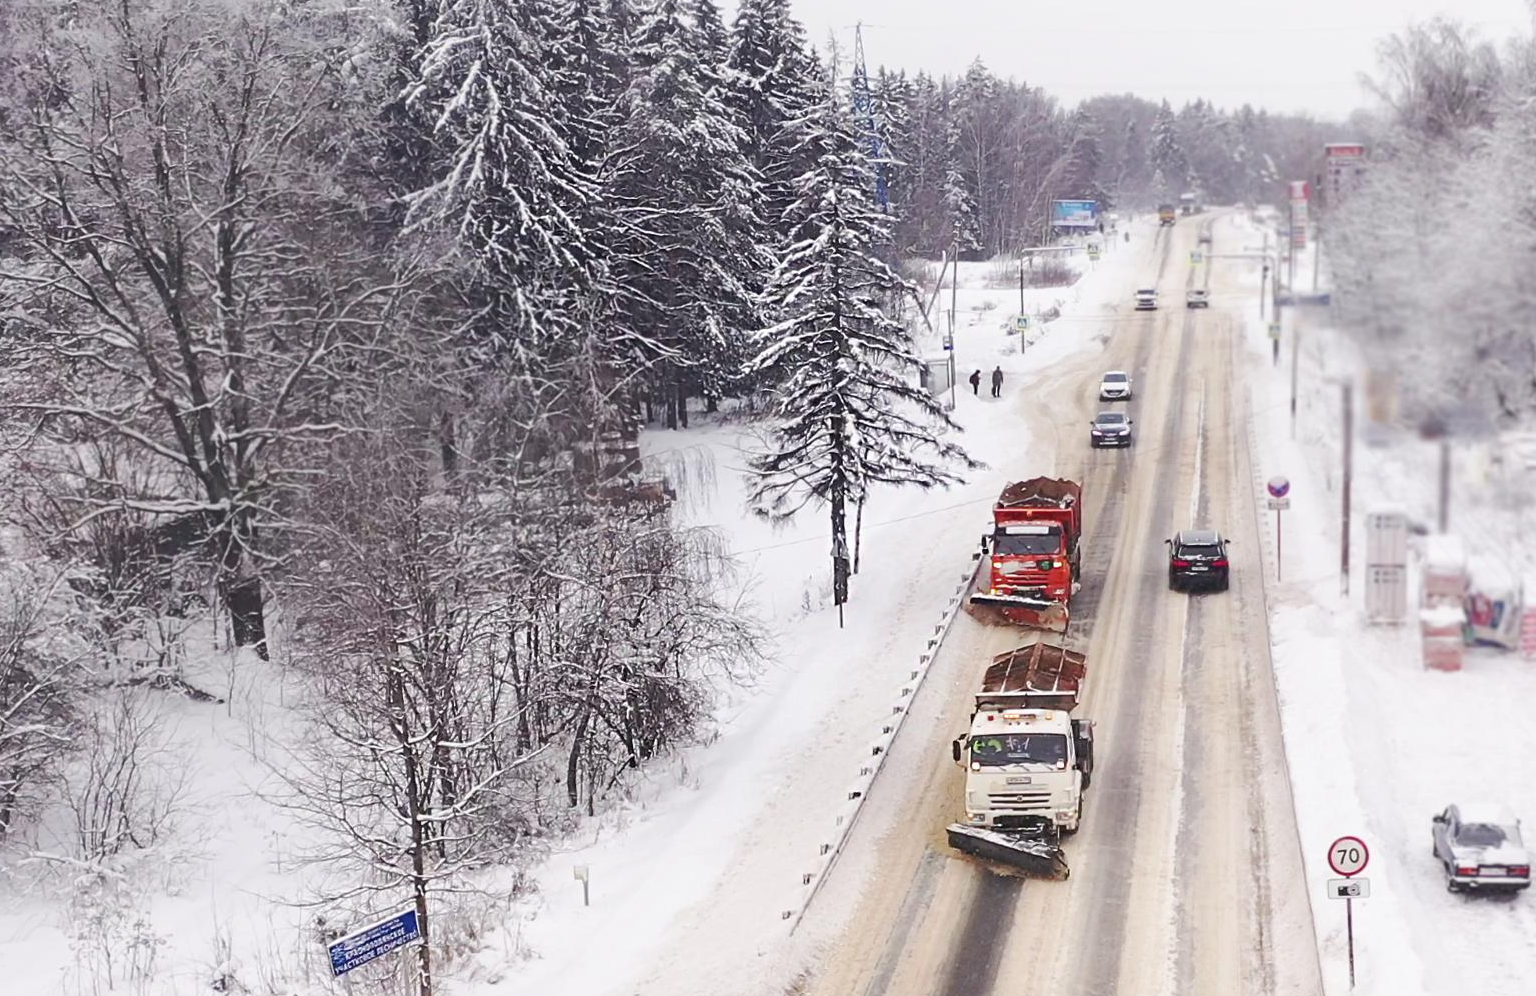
(1015, 545)
(1020, 748)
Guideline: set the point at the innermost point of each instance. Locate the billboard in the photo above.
(1074, 214)
(1345, 169)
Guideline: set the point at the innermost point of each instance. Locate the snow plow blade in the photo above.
(1032, 854)
(1034, 613)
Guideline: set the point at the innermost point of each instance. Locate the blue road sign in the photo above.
(1297, 300)
(361, 947)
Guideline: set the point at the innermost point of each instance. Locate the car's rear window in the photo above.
(1200, 551)
(1110, 419)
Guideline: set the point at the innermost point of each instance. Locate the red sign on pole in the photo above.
(1348, 856)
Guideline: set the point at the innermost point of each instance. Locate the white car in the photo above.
(1146, 299)
(1115, 386)
(1197, 297)
(1479, 848)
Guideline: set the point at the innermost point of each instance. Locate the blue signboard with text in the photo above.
(361, 947)
(1074, 214)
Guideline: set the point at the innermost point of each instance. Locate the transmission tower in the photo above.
(863, 108)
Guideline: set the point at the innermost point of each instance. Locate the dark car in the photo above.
(1198, 557)
(1110, 429)
(1480, 849)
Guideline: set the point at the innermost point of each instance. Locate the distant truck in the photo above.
(1188, 204)
(1034, 554)
(1165, 214)
(1027, 762)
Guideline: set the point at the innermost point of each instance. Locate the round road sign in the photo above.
(1348, 856)
(1279, 487)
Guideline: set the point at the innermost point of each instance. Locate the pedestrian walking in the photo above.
(997, 382)
(976, 383)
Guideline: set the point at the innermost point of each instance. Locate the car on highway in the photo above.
(1110, 429)
(1198, 558)
(1146, 299)
(1480, 849)
(1197, 297)
(1115, 385)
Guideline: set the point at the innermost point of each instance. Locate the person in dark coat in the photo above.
(976, 383)
(997, 382)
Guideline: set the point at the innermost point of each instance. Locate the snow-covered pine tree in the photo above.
(890, 97)
(1086, 158)
(509, 189)
(850, 414)
(689, 257)
(962, 225)
(1131, 187)
(1167, 153)
(772, 80)
(714, 40)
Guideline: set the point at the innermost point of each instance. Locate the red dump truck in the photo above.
(1033, 553)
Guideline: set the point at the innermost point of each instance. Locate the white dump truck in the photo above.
(1027, 761)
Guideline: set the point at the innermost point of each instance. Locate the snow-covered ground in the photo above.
(1377, 744)
(708, 850)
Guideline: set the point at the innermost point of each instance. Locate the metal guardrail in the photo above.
(858, 793)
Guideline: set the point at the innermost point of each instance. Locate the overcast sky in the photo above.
(1290, 55)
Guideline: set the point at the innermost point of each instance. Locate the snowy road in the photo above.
(1186, 875)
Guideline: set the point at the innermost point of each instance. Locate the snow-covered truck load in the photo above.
(1027, 761)
(1033, 554)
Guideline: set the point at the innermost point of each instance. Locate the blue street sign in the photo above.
(1294, 300)
(359, 948)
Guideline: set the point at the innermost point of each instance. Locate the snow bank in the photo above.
(1376, 743)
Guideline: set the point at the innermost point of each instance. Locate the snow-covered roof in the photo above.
(1486, 812)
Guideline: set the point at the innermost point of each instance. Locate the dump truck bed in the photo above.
(1037, 675)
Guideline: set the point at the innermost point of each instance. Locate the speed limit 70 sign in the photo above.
(1348, 856)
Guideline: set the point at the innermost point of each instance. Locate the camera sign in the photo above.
(1349, 888)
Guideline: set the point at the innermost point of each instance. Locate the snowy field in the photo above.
(1377, 744)
(706, 847)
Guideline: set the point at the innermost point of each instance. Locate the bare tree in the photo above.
(40, 665)
(196, 281)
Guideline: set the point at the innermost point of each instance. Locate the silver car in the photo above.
(1480, 849)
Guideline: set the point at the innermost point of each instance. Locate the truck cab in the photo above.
(1027, 761)
(1033, 552)
(1166, 214)
(1030, 559)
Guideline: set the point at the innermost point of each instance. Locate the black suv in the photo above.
(1197, 557)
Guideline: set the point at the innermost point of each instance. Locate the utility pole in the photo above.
(1290, 269)
(1021, 283)
(1264, 277)
(1349, 466)
(1295, 357)
(954, 287)
(1445, 483)
(1317, 250)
